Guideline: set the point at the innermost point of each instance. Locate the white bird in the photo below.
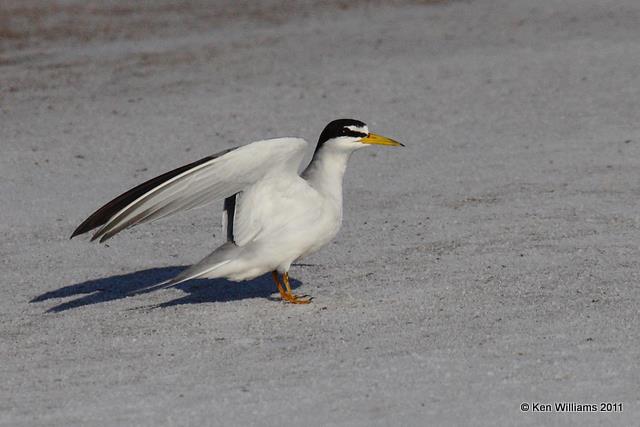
(273, 215)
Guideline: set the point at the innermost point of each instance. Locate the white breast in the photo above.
(284, 218)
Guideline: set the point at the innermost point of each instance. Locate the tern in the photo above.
(272, 215)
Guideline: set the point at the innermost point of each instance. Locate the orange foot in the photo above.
(295, 299)
(287, 295)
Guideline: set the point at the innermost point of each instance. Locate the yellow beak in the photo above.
(372, 138)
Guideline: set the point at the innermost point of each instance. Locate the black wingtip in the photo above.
(87, 225)
(76, 232)
(106, 212)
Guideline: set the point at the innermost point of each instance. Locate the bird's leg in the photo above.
(295, 299)
(285, 279)
(283, 294)
(287, 295)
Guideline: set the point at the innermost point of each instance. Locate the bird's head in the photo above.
(351, 134)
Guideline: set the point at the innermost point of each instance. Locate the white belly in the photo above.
(278, 221)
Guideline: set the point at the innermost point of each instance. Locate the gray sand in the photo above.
(491, 262)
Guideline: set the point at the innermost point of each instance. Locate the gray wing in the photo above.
(197, 184)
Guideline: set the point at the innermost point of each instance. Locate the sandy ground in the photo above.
(493, 261)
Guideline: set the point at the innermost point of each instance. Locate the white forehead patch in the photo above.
(361, 129)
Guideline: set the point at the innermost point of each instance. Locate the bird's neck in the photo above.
(326, 170)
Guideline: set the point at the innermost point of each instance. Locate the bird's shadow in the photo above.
(198, 291)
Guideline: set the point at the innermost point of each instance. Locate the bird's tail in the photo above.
(205, 268)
